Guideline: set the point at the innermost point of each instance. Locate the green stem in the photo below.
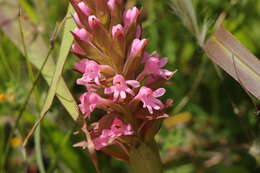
(145, 158)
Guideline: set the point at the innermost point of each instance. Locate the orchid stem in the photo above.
(145, 158)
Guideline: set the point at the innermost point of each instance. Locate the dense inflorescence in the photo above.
(120, 76)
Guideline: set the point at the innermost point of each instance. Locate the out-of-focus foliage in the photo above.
(215, 129)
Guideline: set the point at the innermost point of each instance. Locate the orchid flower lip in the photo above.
(92, 73)
(89, 102)
(120, 87)
(149, 98)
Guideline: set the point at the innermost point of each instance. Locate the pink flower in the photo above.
(153, 66)
(91, 73)
(84, 8)
(130, 16)
(77, 49)
(108, 40)
(90, 101)
(81, 65)
(111, 4)
(108, 136)
(99, 142)
(82, 34)
(118, 128)
(149, 98)
(120, 87)
(93, 21)
(147, 56)
(77, 20)
(137, 47)
(117, 30)
(103, 140)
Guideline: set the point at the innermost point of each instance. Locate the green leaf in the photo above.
(64, 51)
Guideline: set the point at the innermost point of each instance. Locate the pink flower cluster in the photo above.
(108, 136)
(120, 77)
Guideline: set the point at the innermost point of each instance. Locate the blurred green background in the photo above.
(213, 127)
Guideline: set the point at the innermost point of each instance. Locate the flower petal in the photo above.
(163, 62)
(133, 83)
(159, 92)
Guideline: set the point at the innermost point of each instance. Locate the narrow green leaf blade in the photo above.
(64, 51)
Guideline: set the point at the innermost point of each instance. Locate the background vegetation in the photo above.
(213, 126)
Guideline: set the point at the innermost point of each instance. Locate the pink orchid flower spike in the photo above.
(149, 98)
(120, 77)
(120, 87)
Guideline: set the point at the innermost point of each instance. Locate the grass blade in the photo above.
(64, 50)
(29, 10)
(227, 52)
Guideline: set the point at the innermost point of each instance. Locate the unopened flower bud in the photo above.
(84, 8)
(77, 49)
(117, 30)
(131, 16)
(82, 34)
(93, 21)
(138, 47)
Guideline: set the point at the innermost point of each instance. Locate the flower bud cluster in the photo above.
(120, 76)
